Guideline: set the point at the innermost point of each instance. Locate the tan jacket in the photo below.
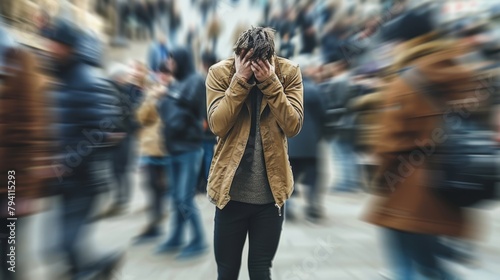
(229, 118)
(151, 141)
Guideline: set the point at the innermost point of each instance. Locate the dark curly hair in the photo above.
(261, 39)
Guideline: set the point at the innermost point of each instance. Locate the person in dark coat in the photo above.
(182, 112)
(88, 124)
(303, 148)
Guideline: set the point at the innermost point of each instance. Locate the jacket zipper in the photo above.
(279, 209)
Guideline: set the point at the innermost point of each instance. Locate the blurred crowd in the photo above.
(73, 127)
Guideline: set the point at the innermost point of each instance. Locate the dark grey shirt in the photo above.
(250, 183)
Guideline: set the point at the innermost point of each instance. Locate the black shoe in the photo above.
(150, 234)
(110, 266)
(113, 211)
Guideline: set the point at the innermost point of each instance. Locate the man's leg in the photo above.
(263, 236)
(77, 205)
(313, 195)
(230, 233)
(425, 250)
(175, 239)
(188, 178)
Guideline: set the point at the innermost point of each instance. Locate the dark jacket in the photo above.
(305, 144)
(182, 110)
(130, 98)
(87, 106)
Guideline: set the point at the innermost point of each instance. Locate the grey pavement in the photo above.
(341, 247)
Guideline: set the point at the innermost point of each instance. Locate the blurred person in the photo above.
(339, 128)
(368, 107)
(287, 47)
(254, 101)
(158, 53)
(411, 213)
(214, 30)
(88, 124)
(303, 148)
(205, 6)
(25, 148)
(153, 153)
(305, 23)
(175, 22)
(162, 17)
(130, 87)
(145, 15)
(182, 113)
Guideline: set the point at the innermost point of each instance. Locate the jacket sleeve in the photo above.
(224, 102)
(286, 102)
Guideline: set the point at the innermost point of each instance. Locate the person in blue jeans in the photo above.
(182, 113)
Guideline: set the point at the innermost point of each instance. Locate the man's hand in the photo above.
(262, 69)
(243, 65)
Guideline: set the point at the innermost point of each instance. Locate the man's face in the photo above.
(60, 52)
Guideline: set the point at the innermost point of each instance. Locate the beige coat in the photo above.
(151, 140)
(229, 118)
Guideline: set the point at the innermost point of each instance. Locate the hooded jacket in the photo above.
(87, 106)
(182, 110)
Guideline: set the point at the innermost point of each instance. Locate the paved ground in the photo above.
(342, 247)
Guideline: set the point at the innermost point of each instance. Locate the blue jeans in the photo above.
(183, 171)
(414, 256)
(347, 166)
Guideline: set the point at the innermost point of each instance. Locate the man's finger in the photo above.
(243, 54)
(256, 66)
(262, 64)
(248, 54)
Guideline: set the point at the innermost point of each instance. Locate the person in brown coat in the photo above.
(24, 146)
(412, 215)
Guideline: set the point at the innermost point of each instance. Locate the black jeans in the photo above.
(263, 225)
(156, 186)
(123, 160)
(305, 170)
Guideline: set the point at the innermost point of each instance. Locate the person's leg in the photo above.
(230, 233)
(188, 178)
(76, 208)
(263, 236)
(153, 173)
(298, 169)
(338, 162)
(175, 239)
(425, 251)
(313, 208)
(159, 187)
(398, 252)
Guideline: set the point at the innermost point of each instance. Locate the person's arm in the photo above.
(285, 103)
(224, 102)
